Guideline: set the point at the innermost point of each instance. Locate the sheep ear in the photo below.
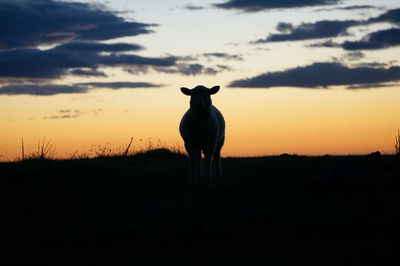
(214, 90)
(186, 91)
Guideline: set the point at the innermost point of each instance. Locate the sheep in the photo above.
(203, 130)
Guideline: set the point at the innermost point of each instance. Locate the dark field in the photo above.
(142, 210)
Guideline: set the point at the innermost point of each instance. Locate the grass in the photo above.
(46, 150)
(140, 209)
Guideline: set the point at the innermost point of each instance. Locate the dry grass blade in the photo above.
(397, 144)
(127, 148)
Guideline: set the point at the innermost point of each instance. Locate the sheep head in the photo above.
(200, 97)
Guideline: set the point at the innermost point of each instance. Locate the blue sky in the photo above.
(192, 38)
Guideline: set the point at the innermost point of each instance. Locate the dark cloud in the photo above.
(334, 28)
(349, 8)
(224, 56)
(392, 16)
(193, 69)
(56, 62)
(119, 85)
(188, 58)
(88, 73)
(93, 47)
(53, 89)
(193, 8)
(306, 31)
(210, 56)
(224, 67)
(40, 90)
(356, 7)
(284, 27)
(354, 56)
(350, 58)
(377, 40)
(127, 59)
(370, 86)
(29, 23)
(327, 44)
(35, 63)
(186, 69)
(321, 75)
(371, 64)
(76, 29)
(259, 5)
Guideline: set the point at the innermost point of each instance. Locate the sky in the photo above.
(304, 77)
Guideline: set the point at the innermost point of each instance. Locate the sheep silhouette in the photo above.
(203, 130)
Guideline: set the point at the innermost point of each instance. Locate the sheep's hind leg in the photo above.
(217, 163)
(217, 158)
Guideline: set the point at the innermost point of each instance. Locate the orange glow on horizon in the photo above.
(259, 122)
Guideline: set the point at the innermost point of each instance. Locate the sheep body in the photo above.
(203, 131)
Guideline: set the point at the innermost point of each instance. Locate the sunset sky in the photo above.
(308, 77)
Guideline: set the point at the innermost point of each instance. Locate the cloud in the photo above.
(56, 62)
(372, 64)
(354, 56)
(224, 67)
(193, 8)
(68, 113)
(30, 23)
(224, 56)
(350, 58)
(377, 40)
(349, 8)
(381, 39)
(370, 86)
(40, 90)
(88, 73)
(307, 31)
(284, 27)
(356, 7)
(210, 57)
(260, 5)
(320, 75)
(53, 89)
(193, 69)
(326, 44)
(60, 116)
(119, 85)
(392, 16)
(186, 69)
(93, 47)
(334, 28)
(45, 40)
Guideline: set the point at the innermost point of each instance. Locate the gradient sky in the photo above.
(307, 77)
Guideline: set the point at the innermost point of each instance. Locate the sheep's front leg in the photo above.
(195, 159)
(208, 164)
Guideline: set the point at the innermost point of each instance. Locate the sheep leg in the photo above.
(217, 158)
(217, 163)
(194, 158)
(207, 163)
(213, 166)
